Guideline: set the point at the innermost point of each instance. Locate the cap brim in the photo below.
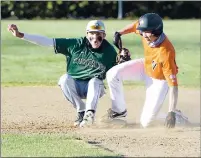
(95, 30)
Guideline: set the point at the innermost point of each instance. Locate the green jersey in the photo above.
(84, 62)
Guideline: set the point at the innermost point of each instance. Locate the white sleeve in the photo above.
(40, 40)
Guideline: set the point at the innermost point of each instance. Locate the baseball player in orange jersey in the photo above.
(158, 69)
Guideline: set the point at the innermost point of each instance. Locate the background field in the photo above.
(36, 120)
(27, 64)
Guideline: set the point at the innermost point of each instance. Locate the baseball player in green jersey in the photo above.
(88, 59)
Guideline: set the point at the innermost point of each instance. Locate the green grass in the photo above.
(23, 63)
(49, 145)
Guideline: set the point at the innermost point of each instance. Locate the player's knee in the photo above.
(98, 85)
(111, 75)
(63, 80)
(145, 122)
(95, 81)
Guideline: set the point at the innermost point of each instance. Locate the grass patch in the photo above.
(48, 145)
(23, 63)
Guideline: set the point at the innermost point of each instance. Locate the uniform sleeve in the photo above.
(37, 39)
(135, 27)
(170, 69)
(65, 45)
(130, 28)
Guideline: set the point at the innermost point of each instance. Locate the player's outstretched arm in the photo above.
(127, 29)
(173, 96)
(36, 39)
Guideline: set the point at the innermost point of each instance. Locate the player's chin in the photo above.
(96, 45)
(148, 41)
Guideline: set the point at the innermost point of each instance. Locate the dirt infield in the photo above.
(44, 109)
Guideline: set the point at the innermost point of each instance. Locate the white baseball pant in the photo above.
(156, 90)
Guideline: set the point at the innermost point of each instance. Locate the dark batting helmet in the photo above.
(151, 22)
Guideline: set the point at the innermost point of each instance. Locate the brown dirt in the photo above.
(44, 109)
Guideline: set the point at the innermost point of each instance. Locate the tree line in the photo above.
(102, 9)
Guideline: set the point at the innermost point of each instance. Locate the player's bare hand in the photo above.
(170, 120)
(14, 30)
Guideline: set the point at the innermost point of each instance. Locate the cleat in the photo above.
(113, 115)
(180, 118)
(88, 119)
(79, 119)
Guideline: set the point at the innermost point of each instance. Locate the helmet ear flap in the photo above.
(157, 31)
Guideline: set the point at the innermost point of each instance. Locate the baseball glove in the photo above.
(170, 120)
(124, 54)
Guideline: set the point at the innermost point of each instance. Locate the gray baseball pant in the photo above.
(76, 90)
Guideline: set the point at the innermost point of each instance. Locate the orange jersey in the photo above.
(160, 61)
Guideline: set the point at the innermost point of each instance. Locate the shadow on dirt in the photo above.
(99, 145)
